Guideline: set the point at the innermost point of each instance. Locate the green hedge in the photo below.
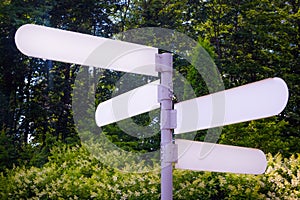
(72, 173)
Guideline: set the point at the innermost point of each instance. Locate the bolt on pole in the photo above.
(164, 65)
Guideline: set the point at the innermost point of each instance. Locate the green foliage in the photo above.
(72, 173)
(256, 40)
(8, 153)
(265, 134)
(282, 180)
(209, 185)
(35, 95)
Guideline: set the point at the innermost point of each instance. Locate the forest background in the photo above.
(40, 150)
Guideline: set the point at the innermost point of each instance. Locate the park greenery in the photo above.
(41, 153)
(72, 173)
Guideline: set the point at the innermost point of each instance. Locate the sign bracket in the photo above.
(170, 153)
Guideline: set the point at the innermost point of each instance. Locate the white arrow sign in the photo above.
(202, 156)
(71, 47)
(140, 100)
(253, 101)
(257, 100)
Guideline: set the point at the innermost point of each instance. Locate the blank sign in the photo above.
(71, 47)
(253, 101)
(140, 100)
(200, 156)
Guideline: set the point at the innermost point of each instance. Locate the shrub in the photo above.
(72, 173)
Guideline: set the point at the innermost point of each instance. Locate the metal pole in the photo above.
(164, 65)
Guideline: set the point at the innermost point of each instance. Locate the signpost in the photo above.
(249, 102)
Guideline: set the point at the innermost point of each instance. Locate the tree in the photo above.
(252, 40)
(16, 75)
(36, 94)
(256, 40)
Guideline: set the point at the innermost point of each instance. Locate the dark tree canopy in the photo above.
(249, 41)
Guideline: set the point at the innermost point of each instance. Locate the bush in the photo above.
(72, 173)
(280, 181)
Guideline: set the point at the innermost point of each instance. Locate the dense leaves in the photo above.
(36, 95)
(72, 173)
